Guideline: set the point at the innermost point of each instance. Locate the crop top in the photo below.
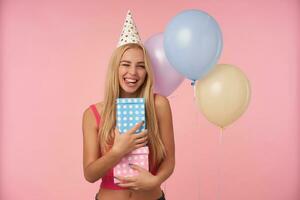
(108, 178)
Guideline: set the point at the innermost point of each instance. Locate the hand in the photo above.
(129, 141)
(144, 181)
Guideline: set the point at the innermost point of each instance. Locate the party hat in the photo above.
(129, 33)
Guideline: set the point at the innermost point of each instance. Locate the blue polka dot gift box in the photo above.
(130, 111)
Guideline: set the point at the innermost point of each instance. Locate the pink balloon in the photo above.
(166, 78)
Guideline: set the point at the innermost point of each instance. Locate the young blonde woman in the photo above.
(129, 76)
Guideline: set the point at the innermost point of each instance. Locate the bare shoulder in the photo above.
(161, 102)
(88, 116)
(162, 108)
(99, 106)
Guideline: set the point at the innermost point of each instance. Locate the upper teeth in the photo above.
(130, 80)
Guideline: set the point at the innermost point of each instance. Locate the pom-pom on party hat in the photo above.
(129, 33)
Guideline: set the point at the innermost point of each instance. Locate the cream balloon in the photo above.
(223, 94)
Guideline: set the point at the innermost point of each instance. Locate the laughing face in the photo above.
(132, 72)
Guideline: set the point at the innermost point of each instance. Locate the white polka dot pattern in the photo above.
(130, 111)
(139, 157)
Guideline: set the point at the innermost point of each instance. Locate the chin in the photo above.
(130, 90)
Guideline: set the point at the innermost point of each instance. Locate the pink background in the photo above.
(54, 56)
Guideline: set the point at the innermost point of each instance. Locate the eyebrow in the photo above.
(142, 62)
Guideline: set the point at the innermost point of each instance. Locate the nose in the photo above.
(132, 70)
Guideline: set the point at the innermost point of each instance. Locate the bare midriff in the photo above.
(108, 194)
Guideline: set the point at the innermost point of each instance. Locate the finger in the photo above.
(136, 127)
(141, 140)
(126, 179)
(141, 145)
(136, 167)
(142, 134)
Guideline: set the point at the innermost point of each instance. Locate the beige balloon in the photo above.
(223, 94)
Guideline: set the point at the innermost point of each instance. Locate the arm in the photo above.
(165, 124)
(94, 166)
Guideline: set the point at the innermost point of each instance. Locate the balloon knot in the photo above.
(193, 82)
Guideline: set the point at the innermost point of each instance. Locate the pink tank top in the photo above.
(107, 179)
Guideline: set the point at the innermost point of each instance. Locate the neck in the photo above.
(128, 95)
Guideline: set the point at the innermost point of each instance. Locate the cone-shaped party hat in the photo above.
(129, 33)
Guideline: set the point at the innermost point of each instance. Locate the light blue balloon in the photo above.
(193, 43)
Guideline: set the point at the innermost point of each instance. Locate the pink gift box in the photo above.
(138, 156)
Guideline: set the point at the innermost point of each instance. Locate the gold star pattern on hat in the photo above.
(129, 33)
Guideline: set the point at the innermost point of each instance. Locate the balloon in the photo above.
(223, 95)
(193, 43)
(167, 79)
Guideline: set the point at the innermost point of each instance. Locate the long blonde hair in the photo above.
(108, 113)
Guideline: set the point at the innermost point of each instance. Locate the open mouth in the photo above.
(130, 82)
